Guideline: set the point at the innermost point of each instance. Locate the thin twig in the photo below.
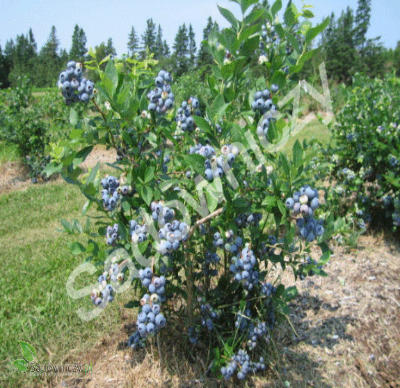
(204, 220)
(105, 120)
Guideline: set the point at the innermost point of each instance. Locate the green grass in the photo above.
(36, 262)
(313, 130)
(8, 152)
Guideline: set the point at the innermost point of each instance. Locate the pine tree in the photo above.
(78, 48)
(181, 50)
(110, 50)
(3, 70)
(396, 59)
(362, 22)
(166, 50)
(133, 43)
(49, 63)
(149, 38)
(159, 46)
(192, 47)
(204, 57)
(32, 44)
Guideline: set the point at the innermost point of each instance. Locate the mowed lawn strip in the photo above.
(36, 262)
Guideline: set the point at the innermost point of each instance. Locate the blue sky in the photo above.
(102, 19)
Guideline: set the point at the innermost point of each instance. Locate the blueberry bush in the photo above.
(31, 123)
(200, 203)
(365, 162)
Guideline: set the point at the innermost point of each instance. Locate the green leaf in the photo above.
(147, 194)
(308, 14)
(202, 124)
(73, 117)
(269, 201)
(81, 156)
(279, 78)
(149, 174)
(228, 15)
(21, 365)
(240, 203)
(93, 173)
(276, 7)
(245, 4)
(67, 226)
(52, 168)
(196, 162)
(218, 108)
(313, 32)
(110, 80)
(297, 154)
(290, 293)
(77, 248)
(28, 351)
(290, 15)
(281, 207)
(213, 193)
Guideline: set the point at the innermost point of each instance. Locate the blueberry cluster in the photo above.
(240, 363)
(243, 320)
(257, 332)
(393, 161)
(138, 232)
(110, 193)
(347, 174)
(208, 315)
(161, 98)
(193, 335)
(155, 285)
(75, 87)
(245, 220)
(244, 268)
(267, 248)
(150, 320)
(172, 232)
(268, 36)
(210, 259)
(310, 228)
(105, 291)
(225, 160)
(267, 289)
(185, 113)
(112, 234)
(304, 201)
(233, 243)
(262, 102)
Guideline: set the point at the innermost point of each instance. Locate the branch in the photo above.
(99, 110)
(204, 220)
(105, 120)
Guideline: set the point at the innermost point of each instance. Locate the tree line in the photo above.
(344, 47)
(22, 57)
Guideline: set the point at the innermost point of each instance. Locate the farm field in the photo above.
(214, 212)
(343, 327)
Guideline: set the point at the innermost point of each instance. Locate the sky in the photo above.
(102, 19)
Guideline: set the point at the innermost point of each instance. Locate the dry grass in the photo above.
(346, 326)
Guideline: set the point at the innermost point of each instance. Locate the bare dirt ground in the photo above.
(344, 332)
(15, 176)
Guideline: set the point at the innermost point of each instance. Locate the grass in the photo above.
(314, 130)
(36, 262)
(8, 152)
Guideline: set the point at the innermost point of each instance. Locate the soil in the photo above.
(344, 332)
(15, 176)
